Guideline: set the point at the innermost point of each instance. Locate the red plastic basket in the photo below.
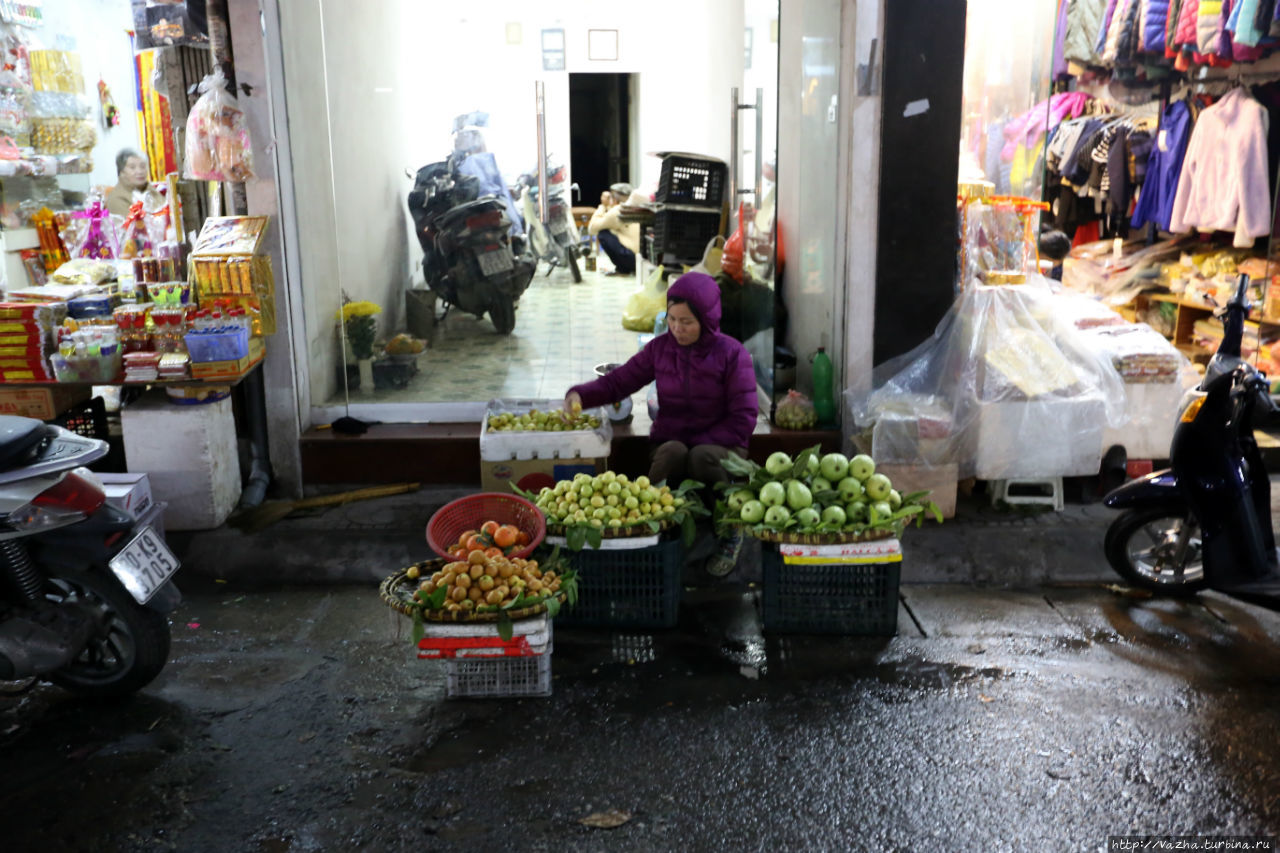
(451, 520)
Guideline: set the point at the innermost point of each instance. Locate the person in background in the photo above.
(619, 240)
(706, 394)
(131, 177)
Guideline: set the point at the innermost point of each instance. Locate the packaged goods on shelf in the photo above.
(227, 269)
(27, 339)
(1138, 352)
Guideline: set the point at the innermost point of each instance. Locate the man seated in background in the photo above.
(619, 240)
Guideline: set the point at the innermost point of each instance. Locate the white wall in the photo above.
(400, 70)
(98, 30)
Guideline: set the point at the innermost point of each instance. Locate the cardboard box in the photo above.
(533, 474)
(229, 369)
(939, 480)
(41, 403)
(129, 493)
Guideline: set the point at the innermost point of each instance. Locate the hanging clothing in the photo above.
(1155, 17)
(1060, 41)
(1159, 189)
(1223, 183)
(1084, 20)
(1243, 23)
(1118, 187)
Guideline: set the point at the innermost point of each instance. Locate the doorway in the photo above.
(600, 124)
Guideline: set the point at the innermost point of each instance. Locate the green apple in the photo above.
(642, 481)
(850, 489)
(878, 487)
(778, 464)
(820, 484)
(895, 500)
(812, 466)
(631, 502)
(856, 511)
(798, 495)
(862, 466)
(834, 466)
(752, 512)
(739, 497)
(808, 518)
(834, 515)
(773, 494)
(776, 516)
(613, 487)
(882, 509)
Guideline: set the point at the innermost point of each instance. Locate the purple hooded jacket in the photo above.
(706, 391)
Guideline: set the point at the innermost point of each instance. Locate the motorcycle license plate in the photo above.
(492, 263)
(144, 565)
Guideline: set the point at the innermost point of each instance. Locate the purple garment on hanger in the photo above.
(1060, 43)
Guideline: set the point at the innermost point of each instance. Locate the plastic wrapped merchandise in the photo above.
(218, 145)
(1004, 388)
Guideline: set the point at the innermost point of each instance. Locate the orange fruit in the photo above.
(493, 552)
(505, 536)
(522, 538)
(462, 540)
(473, 543)
(489, 528)
(454, 550)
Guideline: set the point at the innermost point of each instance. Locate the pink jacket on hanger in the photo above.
(1186, 34)
(1224, 181)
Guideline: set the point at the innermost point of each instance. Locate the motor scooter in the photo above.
(1205, 522)
(83, 589)
(470, 257)
(554, 240)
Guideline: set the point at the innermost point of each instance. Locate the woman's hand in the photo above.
(572, 404)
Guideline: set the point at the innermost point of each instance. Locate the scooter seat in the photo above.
(20, 440)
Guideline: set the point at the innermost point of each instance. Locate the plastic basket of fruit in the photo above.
(483, 589)
(509, 523)
(830, 598)
(588, 509)
(538, 429)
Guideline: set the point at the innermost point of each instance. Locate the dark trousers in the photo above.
(674, 461)
(624, 260)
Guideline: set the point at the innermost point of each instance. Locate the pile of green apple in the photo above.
(816, 494)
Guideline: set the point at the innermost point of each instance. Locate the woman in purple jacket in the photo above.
(706, 387)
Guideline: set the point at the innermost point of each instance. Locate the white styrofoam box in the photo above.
(153, 518)
(129, 493)
(1151, 410)
(618, 543)
(574, 444)
(536, 631)
(1043, 438)
(190, 454)
(876, 551)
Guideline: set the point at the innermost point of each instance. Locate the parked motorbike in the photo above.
(83, 590)
(1206, 521)
(554, 240)
(470, 257)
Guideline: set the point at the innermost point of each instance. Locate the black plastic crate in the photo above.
(681, 236)
(635, 588)
(88, 419)
(692, 180)
(836, 598)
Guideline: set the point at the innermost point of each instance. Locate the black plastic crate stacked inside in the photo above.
(691, 207)
(627, 587)
(849, 589)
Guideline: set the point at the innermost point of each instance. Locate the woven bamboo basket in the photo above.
(397, 592)
(790, 538)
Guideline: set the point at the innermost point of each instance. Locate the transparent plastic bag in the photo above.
(218, 144)
(796, 412)
(1007, 387)
(645, 304)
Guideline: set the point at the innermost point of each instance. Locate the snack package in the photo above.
(796, 412)
(218, 145)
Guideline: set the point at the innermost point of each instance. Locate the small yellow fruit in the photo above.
(494, 596)
(476, 571)
(412, 573)
(486, 583)
(475, 593)
(458, 593)
(463, 581)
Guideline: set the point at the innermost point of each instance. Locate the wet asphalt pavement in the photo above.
(299, 719)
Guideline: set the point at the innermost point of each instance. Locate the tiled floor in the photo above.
(562, 331)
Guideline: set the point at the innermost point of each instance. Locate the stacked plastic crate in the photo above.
(480, 664)
(691, 208)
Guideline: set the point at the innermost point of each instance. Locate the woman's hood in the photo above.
(703, 295)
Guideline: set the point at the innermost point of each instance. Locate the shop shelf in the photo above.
(835, 598)
(627, 588)
(692, 180)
